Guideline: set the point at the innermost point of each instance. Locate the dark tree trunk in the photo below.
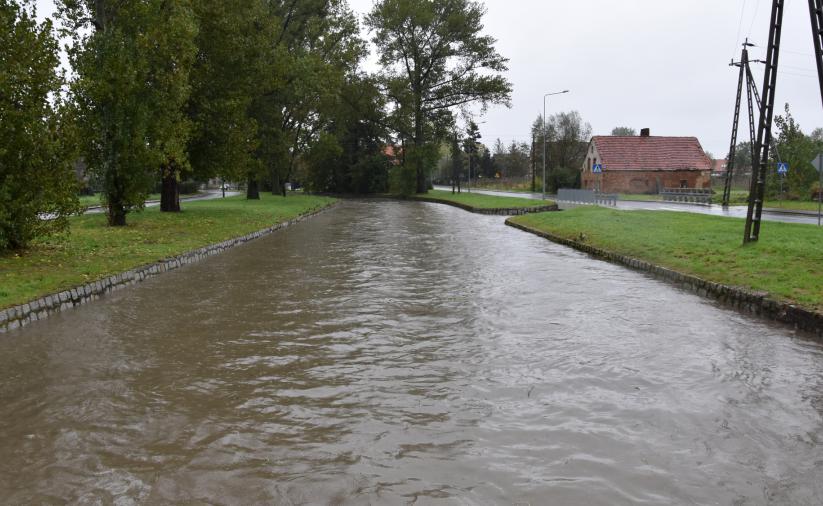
(253, 189)
(418, 146)
(170, 193)
(116, 214)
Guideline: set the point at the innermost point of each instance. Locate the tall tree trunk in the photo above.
(418, 146)
(116, 214)
(170, 192)
(277, 186)
(253, 189)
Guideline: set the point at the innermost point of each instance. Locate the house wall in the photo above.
(646, 181)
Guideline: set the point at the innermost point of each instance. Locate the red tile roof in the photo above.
(651, 153)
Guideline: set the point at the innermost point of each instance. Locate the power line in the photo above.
(754, 17)
(739, 29)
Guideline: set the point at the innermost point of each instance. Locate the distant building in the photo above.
(719, 167)
(393, 154)
(646, 164)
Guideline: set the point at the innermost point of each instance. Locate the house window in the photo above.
(589, 164)
(684, 183)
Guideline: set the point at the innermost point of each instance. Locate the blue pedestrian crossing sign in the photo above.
(597, 168)
(782, 168)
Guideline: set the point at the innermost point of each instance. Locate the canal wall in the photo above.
(756, 303)
(43, 307)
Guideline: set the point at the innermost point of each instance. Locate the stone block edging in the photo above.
(21, 315)
(502, 211)
(743, 300)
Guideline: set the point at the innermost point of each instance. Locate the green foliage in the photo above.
(323, 160)
(315, 56)
(225, 80)
(355, 121)
(36, 172)
(402, 180)
(132, 60)
(624, 131)
(435, 59)
(798, 150)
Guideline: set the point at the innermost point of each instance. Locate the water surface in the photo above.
(394, 353)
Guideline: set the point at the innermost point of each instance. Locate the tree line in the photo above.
(566, 137)
(258, 91)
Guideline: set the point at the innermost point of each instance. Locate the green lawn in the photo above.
(787, 262)
(92, 250)
(481, 201)
(797, 205)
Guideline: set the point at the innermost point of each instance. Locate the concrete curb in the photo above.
(509, 211)
(19, 316)
(750, 302)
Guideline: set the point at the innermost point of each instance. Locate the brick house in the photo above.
(646, 164)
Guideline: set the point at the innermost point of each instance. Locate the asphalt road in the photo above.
(631, 205)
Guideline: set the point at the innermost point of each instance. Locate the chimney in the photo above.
(645, 132)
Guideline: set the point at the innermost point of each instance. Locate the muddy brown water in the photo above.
(396, 353)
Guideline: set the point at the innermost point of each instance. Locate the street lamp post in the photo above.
(544, 136)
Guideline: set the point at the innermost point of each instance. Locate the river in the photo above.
(408, 353)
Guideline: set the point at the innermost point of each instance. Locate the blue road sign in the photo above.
(597, 168)
(782, 168)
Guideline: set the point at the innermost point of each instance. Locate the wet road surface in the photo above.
(408, 353)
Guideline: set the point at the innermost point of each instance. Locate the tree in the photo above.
(36, 173)
(568, 137)
(347, 156)
(435, 59)
(316, 49)
(131, 59)
(225, 81)
(487, 168)
(518, 160)
(170, 63)
(798, 150)
(457, 163)
(470, 146)
(624, 131)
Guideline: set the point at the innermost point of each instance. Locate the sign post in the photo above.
(782, 170)
(597, 168)
(818, 164)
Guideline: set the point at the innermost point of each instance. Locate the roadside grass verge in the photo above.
(481, 201)
(787, 262)
(795, 205)
(640, 197)
(91, 250)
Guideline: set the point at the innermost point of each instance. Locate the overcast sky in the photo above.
(661, 64)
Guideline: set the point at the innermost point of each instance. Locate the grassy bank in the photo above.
(738, 198)
(787, 262)
(92, 250)
(481, 201)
